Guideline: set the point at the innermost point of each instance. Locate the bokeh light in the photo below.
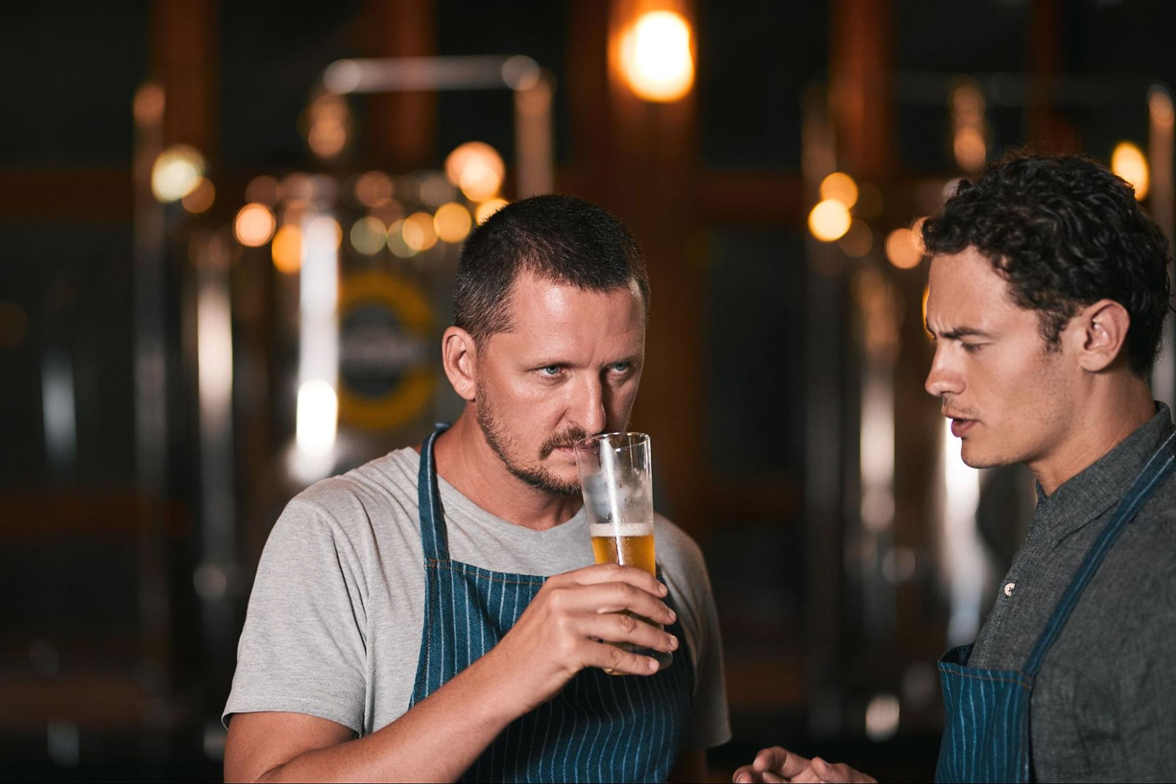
(1128, 162)
(373, 187)
(829, 220)
(840, 186)
(858, 241)
(148, 104)
(176, 173)
(201, 197)
(436, 190)
(452, 222)
(418, 231)
(287, 249)
(325, 224)
(254, 225)
(264, 190)
(903, 250)
(369, 235)
(396, 242)
(656, 59)
(477, 169)
(488, 208)
(971, 151)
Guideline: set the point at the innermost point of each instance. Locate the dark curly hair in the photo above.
(560, 238)
(1065, 233)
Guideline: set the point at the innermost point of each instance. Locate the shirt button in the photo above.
(1008, 589)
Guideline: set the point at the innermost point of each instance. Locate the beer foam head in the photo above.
(621, 529)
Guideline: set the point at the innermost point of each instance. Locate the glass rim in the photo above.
(637, 438)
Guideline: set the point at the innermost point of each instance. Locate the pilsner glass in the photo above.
(617, 483)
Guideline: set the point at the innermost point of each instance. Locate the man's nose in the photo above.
(590, 405)
(943, 380)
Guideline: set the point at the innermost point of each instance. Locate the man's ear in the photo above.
(1101, 329)
(459, 355)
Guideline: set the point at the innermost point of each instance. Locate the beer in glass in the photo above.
(617, 483)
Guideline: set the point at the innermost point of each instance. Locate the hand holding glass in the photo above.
(617, 482)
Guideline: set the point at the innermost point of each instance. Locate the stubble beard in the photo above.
(499, 440)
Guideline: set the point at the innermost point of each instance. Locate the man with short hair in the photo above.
(404, 624)
(1048, 291)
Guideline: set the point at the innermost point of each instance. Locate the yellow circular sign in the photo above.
(385, 329)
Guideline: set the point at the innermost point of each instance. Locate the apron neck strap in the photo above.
(432, 517)
(1157, 469)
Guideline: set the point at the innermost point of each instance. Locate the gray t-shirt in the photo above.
(335, 618)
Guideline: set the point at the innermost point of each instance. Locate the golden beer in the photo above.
(636, 551)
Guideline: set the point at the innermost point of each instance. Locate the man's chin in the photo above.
(974, 456)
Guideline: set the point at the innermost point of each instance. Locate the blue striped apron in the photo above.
(599, 728)
(986, 734)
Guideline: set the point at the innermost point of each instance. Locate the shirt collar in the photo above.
(1090, 493)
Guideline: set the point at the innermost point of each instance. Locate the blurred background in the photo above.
(229, 232)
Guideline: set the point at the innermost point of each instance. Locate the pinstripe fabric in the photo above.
(986, 732)
(599, 728)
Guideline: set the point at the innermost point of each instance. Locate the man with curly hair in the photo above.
(1048, 292)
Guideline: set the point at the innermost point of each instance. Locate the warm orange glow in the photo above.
(477, 169)
(829, 220)
(368, 235)
(452, 222)
(840, 186)
(970, 149)
(1128, 162)
(201, 197)
(148, 104)
(488, 208)
(902, 249)
(254, 225)
(418, 231)
(656, 59)
(858, 240)
(373, 187)
(328, 120)
(287, 249)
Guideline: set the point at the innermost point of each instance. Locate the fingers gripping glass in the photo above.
(617, 482)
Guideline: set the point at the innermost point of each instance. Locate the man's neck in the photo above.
(1105, 418)
(470, 464)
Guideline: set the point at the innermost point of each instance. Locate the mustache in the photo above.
(951, 412)
(568, 437)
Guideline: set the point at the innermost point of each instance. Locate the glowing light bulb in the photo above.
(1128, 162)
(656, 58)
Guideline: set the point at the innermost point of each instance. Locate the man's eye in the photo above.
(972, 348)
(620, 367)
(551, 371)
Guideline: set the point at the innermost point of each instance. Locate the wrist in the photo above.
(502, 696)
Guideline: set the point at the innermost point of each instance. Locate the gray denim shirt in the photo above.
(1104, 705)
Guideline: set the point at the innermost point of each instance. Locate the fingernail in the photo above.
(673, 615)
(653, 665)
(662, 589)
(673, 643)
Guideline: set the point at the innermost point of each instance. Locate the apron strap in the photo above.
(433, 539)
(1158, 468)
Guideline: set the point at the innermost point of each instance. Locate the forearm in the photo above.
(437, 740)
